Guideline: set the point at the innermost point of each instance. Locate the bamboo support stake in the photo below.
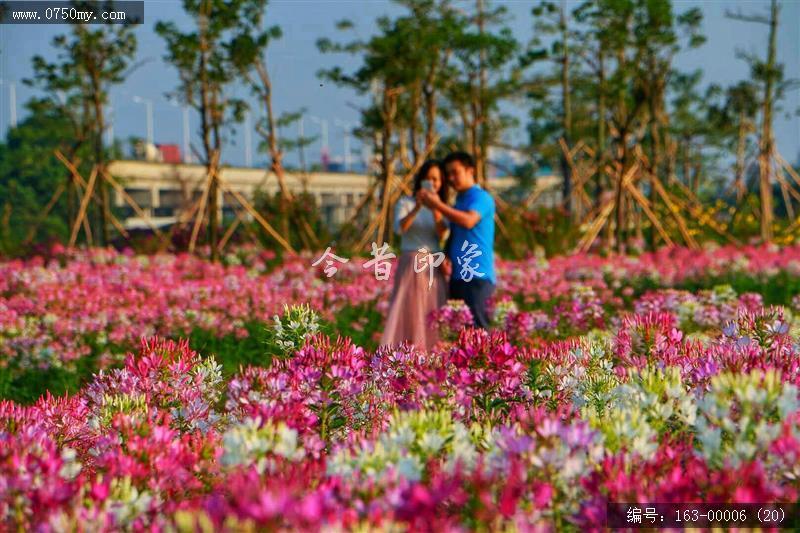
(229, 233)
(53, 199)
(645, 205)
(313, 240)
(693, 199)
(118, 225)
(578, 184)
(502, 227)
(602, 218)
(591, 215)
(256, 215)
(703, 220)
(785, 193)
(86, 227)
(784, 166)
(182, 217)
(532, 197)
(595, 226)
(584, 175)
(791, 227)
(369, 196)
(673, 210)
(104, 175)
(394, 194)
(243, 223)
(131, 202)
(789, 169)
(76, 177)
(114, 220)
(212, 174)
(188, 214)
(201, 212)
(384, 211)
(594, 229)
(694, 206)
(789, 188)
(377, 221)
(84, 205)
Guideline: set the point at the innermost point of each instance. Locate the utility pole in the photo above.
(149, 111)
(187, 148)
(302, 151)
(248, 141)
(346, 127)
(324, 126)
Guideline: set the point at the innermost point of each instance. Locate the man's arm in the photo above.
(465, 219)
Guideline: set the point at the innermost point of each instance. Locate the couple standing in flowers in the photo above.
(424, 221)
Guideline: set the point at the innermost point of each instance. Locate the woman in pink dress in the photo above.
(414, 295)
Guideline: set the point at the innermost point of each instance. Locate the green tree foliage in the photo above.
(30, 175)
(247, 52)
(90, 59)
(768, 73)
(485, 52)
(404, 69)
(202, 58)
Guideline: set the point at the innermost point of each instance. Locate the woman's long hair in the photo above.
(444, 189)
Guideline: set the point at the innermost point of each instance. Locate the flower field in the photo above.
(169, 393)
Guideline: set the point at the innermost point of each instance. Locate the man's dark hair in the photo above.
(462, 157)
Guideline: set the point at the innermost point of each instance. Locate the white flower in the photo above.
(431, 443)
(71, 466)
(409, 468)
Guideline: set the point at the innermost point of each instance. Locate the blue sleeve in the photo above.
(483, 204)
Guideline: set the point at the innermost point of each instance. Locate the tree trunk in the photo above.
(71, 196)
(474, 135)
(483, 111)
(567, 112)
(767, 141)
(214, 204)
(99, 156)
(430, 102)
(207, 121)
(672, 149)
(413, 130)
(600, 156)
(619, 201)
(275, 153)
(389, 108)
(619, 208)
(276, 156)
(740, 161)
(687, 179)
(698, 174)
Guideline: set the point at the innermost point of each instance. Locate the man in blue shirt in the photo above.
(471, 243)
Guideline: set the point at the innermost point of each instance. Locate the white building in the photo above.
(164, 190)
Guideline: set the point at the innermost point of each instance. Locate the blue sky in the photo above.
(294, 61)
